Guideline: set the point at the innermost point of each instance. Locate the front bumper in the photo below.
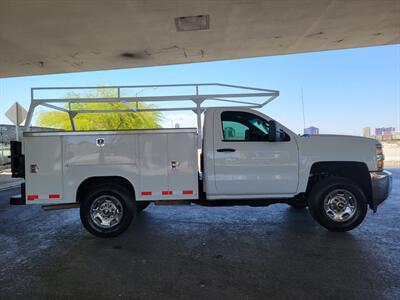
(381, 185)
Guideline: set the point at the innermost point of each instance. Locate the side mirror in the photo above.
(273, 133)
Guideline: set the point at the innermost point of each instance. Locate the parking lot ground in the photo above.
(182, 252)
(6, 181)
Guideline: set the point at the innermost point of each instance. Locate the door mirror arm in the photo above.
(273, 131)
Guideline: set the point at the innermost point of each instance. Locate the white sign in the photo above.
(16, 113)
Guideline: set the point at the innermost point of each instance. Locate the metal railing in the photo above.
(237, 96)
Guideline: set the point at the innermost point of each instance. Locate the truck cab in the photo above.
(248, 155)
(243, 160)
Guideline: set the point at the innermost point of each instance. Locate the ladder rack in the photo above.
(237, 96)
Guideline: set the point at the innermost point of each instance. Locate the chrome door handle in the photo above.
(226, 150)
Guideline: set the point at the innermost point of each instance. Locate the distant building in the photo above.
(385, 133)
(311, 130)
(367, 131)
(7, 132)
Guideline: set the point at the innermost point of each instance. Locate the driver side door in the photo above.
(246, 163)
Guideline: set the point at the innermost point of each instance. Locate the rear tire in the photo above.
(338, 204)
(108, 210)
(141, 206)
(298, 204)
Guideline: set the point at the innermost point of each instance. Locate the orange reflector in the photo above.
(33, 197)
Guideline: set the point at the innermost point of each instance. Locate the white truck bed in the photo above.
(161, 164)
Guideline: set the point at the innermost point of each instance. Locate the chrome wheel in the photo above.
(340, 205)
(106, 211)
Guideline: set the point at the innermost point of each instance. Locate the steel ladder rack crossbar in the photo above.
(197, 98)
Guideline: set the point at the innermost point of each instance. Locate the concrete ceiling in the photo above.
(47, 36)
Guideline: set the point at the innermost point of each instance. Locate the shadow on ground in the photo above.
(198, 252)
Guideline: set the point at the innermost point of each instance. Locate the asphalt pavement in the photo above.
(6, 181)
(193, 252)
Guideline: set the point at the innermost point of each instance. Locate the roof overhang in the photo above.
(43, 37)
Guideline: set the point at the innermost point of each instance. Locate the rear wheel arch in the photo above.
(357, 172)
(95, 181)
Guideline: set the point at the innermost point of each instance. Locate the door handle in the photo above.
(226, 150)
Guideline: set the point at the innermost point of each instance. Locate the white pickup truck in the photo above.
(240, 157)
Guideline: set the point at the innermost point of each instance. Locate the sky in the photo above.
(343, 90)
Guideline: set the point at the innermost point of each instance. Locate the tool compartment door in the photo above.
(153, 166)
(182, 165)
(43, 170)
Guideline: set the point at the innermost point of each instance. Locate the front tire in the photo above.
(338, 204)
(108, 210)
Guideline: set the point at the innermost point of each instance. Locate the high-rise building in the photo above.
(311, 130)
(367, 131)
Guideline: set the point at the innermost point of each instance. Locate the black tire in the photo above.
(125, 200)
(141, 206)
(298, 204)
(342, 187)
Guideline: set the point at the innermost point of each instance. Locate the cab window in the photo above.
(244, 126)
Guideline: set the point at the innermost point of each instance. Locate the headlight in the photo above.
(379, 157)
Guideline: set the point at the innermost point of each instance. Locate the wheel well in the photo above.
(101, 180)
(356, 171)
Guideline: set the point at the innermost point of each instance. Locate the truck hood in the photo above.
(338, 138)
(332, 147)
